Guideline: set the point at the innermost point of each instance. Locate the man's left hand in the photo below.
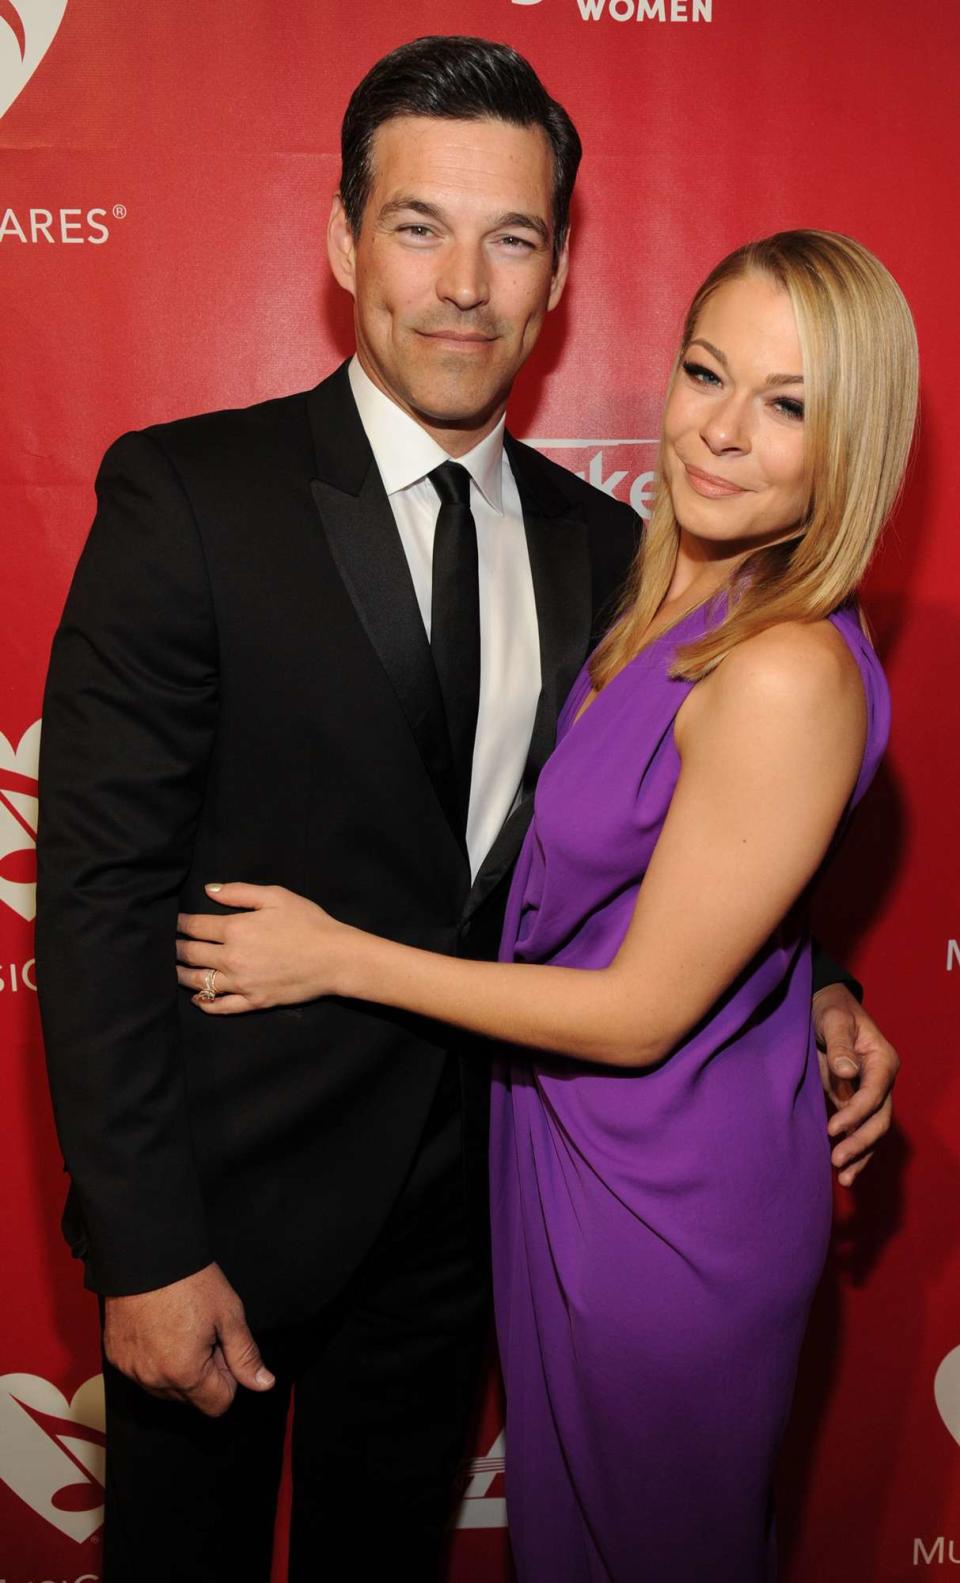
(858, 1067)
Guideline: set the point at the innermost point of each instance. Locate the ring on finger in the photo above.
(209, 990)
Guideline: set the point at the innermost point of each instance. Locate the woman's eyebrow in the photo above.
(713, 350)
(771, 379)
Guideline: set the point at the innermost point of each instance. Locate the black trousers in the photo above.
(383, 1384)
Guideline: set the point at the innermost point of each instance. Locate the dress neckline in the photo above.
(580, 691)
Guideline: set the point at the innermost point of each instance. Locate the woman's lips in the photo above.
(709, 484)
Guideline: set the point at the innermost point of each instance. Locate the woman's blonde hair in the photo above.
(860, 397)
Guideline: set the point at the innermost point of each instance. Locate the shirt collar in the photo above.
(405, 453)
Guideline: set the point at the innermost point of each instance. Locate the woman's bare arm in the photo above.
(770, 747)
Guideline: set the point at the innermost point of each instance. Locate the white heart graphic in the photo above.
(39, 1463)
(18, 812)
(946, 1392)
(27, 29)
(480, 1509)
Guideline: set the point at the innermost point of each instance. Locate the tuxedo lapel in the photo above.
(560, 567)
(362, 536)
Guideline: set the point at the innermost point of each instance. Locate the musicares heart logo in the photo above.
(479, 1508)
(27, 29)
(946, 1392)
(52, 1451)
(18, 820)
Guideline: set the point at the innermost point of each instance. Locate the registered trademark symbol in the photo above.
(119, 211)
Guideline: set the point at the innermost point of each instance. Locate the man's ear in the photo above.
(559, 278)
(341, 250)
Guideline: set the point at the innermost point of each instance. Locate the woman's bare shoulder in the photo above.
(794, 671)
(809, 659)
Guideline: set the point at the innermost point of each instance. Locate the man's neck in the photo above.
(457, 439)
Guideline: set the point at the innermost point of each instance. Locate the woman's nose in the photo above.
(726, 427)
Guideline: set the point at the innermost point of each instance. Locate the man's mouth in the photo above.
(463, 338)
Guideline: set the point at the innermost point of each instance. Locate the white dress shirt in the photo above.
(509, 636)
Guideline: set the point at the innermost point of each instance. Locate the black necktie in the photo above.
(455, 619)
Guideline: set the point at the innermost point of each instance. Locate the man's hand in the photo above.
(188, 1341)
(858, 1067)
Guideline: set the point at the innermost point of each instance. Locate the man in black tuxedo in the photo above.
(269, 666)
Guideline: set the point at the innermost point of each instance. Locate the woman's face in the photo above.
(733, 428)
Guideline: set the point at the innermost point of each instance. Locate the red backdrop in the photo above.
(165, 174)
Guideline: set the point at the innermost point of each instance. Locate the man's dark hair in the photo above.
(461, 79)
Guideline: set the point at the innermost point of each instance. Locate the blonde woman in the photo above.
(660, 1169)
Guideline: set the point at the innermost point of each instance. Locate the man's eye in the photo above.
(702, 375)
(418, 232)
(518, 243)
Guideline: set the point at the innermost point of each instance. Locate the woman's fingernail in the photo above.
(845, 1067)
(213, 887)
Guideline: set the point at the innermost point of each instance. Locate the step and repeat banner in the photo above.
(165, 177)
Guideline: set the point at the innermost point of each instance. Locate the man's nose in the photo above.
(463, 279)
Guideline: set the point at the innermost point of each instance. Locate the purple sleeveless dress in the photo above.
(658, 1235)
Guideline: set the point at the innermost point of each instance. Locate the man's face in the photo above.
(452, 272)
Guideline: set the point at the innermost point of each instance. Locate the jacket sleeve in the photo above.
(826, 971)
(129, 719)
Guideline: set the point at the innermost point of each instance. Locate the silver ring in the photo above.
(209, 990)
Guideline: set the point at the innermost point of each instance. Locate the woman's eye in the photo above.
(789, 407)
(702, 375)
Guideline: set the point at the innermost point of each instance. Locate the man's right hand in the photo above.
(188, 1341)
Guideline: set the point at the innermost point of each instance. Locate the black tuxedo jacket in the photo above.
(241, 688)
